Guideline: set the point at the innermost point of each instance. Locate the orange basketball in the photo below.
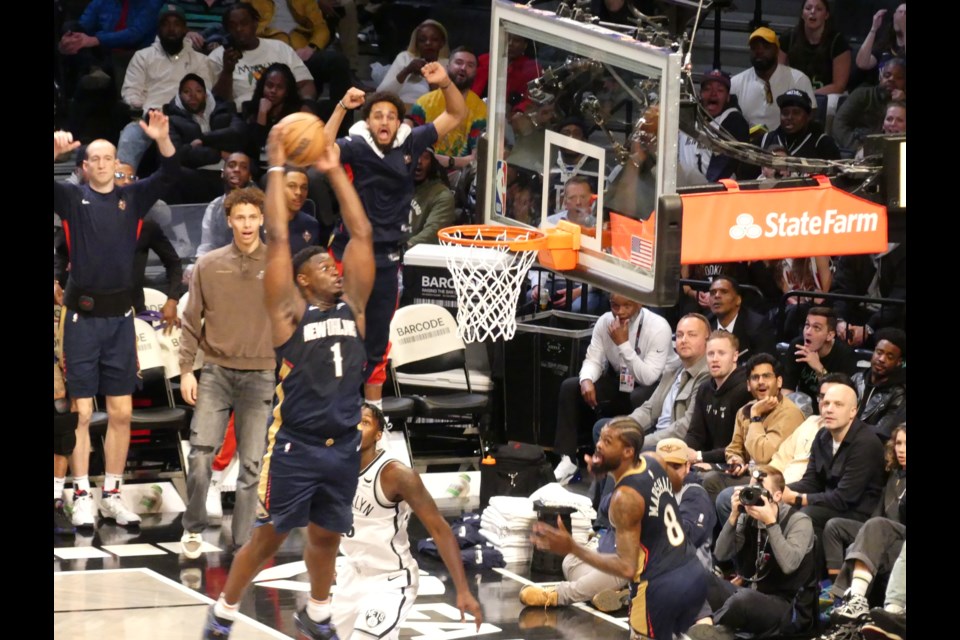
(303, 138)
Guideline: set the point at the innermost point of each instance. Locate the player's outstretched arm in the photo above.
(62, 142)
(359, 268)
(626, 511)
(284, 303)
(400, 482)
(456, 108)
(157, 129)
(352, 99)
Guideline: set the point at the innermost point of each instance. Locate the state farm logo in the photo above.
(782, 225)
(745, 228)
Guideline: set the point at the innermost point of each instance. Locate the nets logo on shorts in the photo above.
(374, 617)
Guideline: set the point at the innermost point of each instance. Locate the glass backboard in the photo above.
(583, 127)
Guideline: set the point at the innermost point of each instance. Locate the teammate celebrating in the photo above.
(382, 153)
(381, 578)
(668, 584)
(309, 471)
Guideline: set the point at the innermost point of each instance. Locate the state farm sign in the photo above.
(779, 223)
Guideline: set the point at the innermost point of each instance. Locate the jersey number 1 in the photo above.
(337, 360)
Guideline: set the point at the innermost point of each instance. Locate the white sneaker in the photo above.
(565, 470)
(214, 505)
(113, 508)
(191, 543)
(82, 510)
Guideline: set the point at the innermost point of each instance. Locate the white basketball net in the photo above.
(488, 282)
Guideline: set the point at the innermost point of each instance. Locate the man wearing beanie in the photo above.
(799, 133)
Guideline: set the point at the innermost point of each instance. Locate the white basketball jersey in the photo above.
(378, 541)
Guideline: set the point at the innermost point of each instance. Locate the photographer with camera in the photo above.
(770, 545)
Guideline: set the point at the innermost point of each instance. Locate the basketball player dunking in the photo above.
(309, 472)
(667, 583)
(378, 584)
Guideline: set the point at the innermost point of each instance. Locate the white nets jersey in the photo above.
(378, 540)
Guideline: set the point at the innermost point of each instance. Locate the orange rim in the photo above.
(494, 236)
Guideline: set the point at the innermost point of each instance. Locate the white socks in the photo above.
(319, 610)
(112, 482)
(58, 487)
(860, 582)
(224, 610)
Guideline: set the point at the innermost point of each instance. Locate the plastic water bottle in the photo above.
(460, 487)
(751, 467)
(152, 500)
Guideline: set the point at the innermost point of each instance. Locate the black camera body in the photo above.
(754, 496)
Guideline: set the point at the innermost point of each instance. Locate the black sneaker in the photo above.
(62, 526)
(314, 630)
(884, 625)
(216, 628)
(710, 632)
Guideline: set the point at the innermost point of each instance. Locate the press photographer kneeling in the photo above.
(770, 545)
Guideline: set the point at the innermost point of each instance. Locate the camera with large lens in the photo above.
(754, 496)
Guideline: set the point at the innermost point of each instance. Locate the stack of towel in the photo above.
(581, 520)
(506, 523)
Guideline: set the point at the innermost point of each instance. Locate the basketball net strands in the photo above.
(489, 263)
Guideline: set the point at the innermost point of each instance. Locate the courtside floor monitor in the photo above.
(592, 140)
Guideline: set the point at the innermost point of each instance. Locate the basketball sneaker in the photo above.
(191, 543)
(565, 471)
(216, 628)
(314, 630)
(710, 632)
(113, 508)
(62, 525)
(610, 600)
(82, 510)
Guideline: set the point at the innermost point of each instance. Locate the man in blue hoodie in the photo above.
(383, 155)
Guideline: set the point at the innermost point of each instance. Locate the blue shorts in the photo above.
(303, 483)
(99, 355)
(669, 603)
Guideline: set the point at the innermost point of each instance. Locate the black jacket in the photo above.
(754, 331)
(798, 376)
(850, 481)
(810, 143)
(715, 415)
(880, 403)
(226, 133)
(854, 275)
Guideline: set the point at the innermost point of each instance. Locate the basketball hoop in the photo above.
(488, 265)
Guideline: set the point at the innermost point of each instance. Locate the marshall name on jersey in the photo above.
(321, 374)
(378, 541)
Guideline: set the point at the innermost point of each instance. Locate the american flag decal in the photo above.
(641, 252)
